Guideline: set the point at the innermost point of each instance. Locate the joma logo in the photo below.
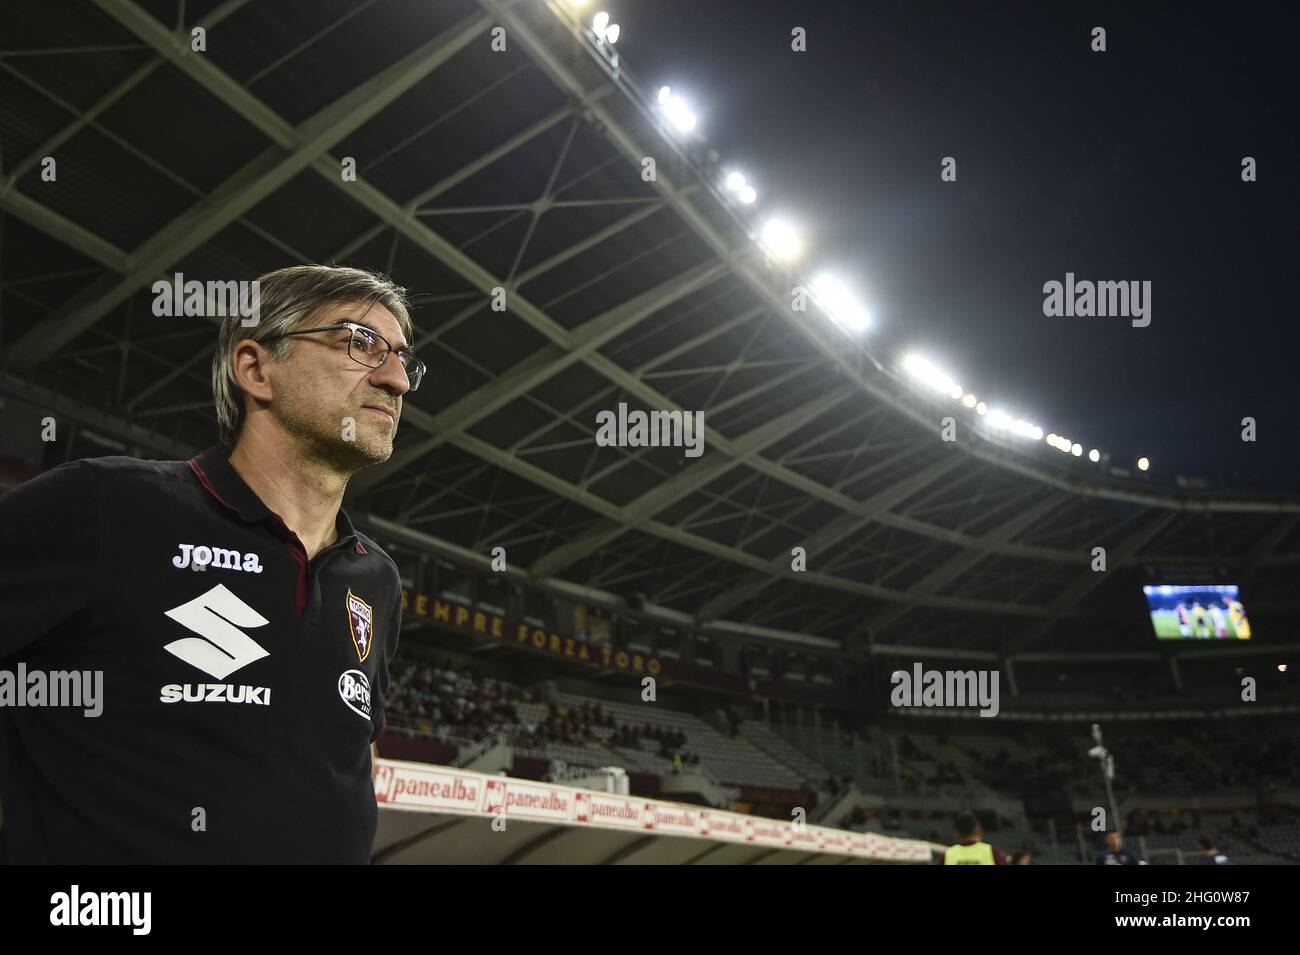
(201, 558)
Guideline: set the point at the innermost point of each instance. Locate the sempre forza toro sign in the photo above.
(493, 627)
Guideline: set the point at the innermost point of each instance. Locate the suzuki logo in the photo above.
(221, 647)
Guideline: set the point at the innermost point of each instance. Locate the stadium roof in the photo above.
(521, 169)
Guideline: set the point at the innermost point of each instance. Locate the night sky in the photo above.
(1123, 165)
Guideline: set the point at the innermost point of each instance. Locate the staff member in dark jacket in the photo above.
(241, 626)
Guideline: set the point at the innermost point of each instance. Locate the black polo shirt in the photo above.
(239, 700)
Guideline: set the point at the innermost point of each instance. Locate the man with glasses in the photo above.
(241, 625)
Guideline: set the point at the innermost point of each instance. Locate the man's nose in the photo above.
(391, 376)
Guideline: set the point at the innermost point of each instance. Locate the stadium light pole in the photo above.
(1107, 761)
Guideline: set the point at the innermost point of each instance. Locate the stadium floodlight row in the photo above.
(784, 243)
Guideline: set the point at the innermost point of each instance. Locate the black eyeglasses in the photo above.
(367, 347)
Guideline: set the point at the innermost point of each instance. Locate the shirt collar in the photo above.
(219, 478)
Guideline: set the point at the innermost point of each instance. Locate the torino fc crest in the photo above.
(361, 623)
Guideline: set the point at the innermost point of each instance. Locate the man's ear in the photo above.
(249, 364)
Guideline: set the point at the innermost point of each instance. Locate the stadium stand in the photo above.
(896, 777)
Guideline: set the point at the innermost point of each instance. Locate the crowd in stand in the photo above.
(835, 785)
(1253, 759)
(1146, 763)
(1143, 822)
(945, 774)
(577, 726)
(1049, 766)
(917, 824)
(669, 742)
(438, 700)
(1172, 761)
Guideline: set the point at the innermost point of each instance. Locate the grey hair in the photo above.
(290, 298)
